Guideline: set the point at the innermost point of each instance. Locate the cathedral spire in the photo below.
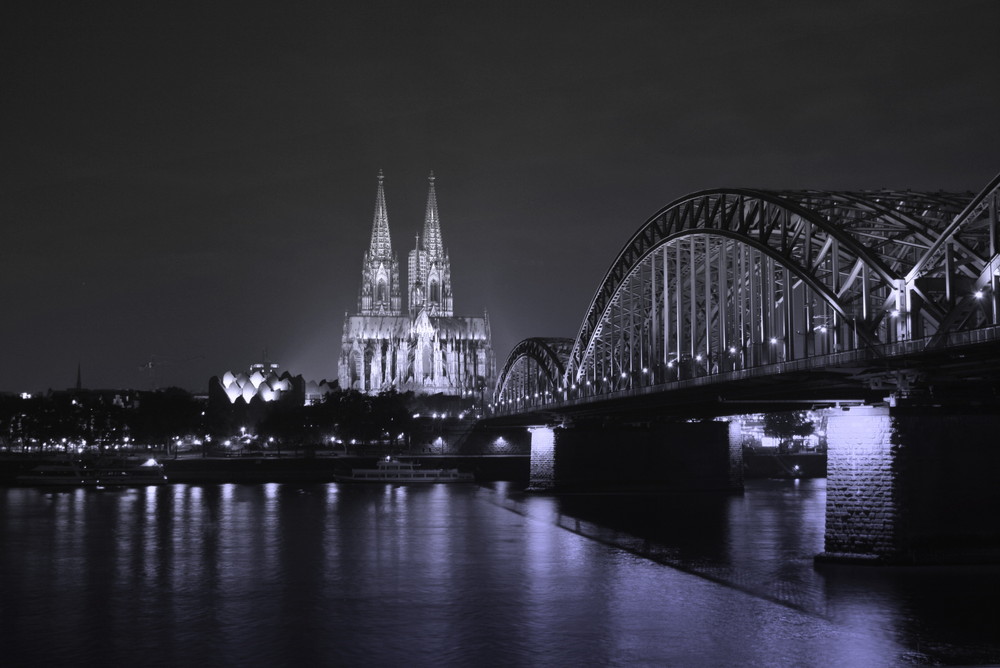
(380, 273)
(430, 270)
(381, 245)
(432, 224)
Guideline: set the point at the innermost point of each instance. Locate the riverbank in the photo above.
(294, 467)
(774, 465)
(320, 467)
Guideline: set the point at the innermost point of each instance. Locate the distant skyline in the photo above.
(197, 186)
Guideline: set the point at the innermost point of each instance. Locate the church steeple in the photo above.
(432, 223)
(380, 273)
(429, 279)
(381, 245)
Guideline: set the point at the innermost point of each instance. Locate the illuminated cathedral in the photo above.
(425, 347)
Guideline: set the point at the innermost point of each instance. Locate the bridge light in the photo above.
(894, 313)
(624, 374)
(698, 357)
(605, 379)
(773, 340)
(574, 386)
(978, 294)
(645, 370)
(670, 364)
(588, 382)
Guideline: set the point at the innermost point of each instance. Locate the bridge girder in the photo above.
(722, 281)
(535, 368)
(735, 277)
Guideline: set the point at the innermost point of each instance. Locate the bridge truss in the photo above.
(534, 372)
(731, 279)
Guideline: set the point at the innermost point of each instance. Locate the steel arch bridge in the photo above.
(534, 372)
(731, 279)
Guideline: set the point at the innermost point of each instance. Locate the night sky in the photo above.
(192, 186)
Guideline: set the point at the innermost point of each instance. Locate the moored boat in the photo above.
(94, 473)
(395, 470)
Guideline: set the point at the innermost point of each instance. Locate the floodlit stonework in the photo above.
(427, 348)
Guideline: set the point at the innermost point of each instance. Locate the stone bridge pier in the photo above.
(906, 484)
(912, 484)
(605, 456)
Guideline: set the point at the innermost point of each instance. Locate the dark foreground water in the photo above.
(292, 575)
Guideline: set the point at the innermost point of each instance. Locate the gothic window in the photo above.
(380, 292)
(356, 370)
(435, 292)
(428, 360)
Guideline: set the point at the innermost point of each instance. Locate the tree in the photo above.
(787, 425)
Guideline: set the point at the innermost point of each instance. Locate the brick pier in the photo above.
(912, 484)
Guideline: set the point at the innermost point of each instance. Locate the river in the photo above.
(383, 575)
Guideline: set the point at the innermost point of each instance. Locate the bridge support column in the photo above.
(541, 477)
(675, 456)
(912, 484)
(735, 442)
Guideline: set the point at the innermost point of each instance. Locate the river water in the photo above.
(338, 575)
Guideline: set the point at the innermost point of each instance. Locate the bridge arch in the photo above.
(957, 275)
(533, 372)
(725, 279)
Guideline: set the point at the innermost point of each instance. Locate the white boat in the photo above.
(395, 470)
(95, 473)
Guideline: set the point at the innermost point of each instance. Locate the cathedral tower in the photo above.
(429, 270)
(380, 270)
(426, 349)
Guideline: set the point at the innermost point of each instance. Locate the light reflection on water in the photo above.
(390, 575)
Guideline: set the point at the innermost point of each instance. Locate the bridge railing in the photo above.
(848, 358)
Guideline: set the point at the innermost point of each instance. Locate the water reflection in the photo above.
(376, 575)
(763, 543)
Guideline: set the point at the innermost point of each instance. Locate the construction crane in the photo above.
(156, 361)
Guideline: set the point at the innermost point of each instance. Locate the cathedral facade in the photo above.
(419, 346)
